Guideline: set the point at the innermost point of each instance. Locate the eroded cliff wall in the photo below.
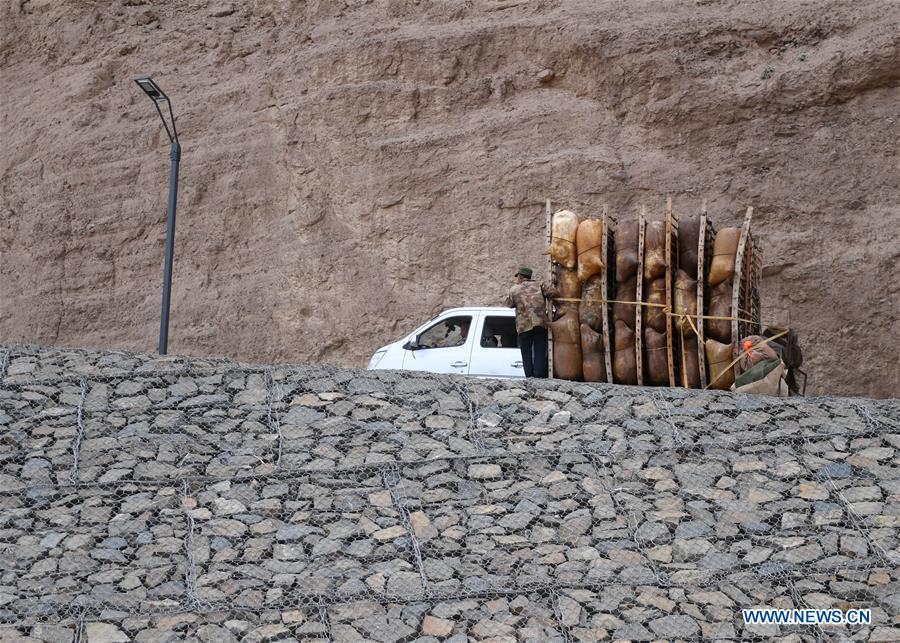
(350, 168)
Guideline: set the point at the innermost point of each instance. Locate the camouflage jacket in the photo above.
(529, 300)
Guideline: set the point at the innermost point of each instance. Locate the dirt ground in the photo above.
(351, 168)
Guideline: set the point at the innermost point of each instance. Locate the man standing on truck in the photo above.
(529, 299)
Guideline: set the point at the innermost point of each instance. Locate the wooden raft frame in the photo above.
(705, 241)
(549, 303)
(742, 262)
(607, 249)
(639, 297)
(671, 266)
(753, 285)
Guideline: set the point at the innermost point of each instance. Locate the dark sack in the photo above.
(657, 358)
(626, 292)
(591, 310)
(655, 250)
(685, 303)
(624, 364)
(720, 306)
(688, 240)
(567, 346)
(718, 357)
(592, 355)
(689, 373)
(655, 317)
(626, 251)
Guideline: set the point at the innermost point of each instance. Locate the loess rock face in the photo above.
(349, 169)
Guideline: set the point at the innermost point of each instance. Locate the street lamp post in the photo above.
(156, 95)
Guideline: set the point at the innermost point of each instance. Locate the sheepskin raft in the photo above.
(724, 252)
(588, 241)
(592, 355)
(562, 240)
(567, 346)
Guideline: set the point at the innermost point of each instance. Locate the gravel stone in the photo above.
(653, 532)
(225, 527)
(835, 470)
(104, 633)
(632, 632)
(434, 626)
(485, 471)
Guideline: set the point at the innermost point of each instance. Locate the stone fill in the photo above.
(157, 499)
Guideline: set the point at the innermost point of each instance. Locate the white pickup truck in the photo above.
(479, 341)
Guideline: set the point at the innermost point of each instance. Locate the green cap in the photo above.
(525, 272)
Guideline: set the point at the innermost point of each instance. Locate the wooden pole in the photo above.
(606, 246)
(738, 287)
(549, 215)
(639, 297)
(671, 262)
(701, 286)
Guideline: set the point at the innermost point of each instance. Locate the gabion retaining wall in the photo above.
(162, 499)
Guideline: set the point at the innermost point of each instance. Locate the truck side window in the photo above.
(447, 333)
(499, 332)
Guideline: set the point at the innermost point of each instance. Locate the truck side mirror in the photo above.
(412, 345)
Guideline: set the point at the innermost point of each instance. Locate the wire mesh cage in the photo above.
(146, 498)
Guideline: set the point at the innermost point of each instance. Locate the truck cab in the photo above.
(479, 341)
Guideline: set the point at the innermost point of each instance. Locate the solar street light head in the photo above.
(150, 88)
